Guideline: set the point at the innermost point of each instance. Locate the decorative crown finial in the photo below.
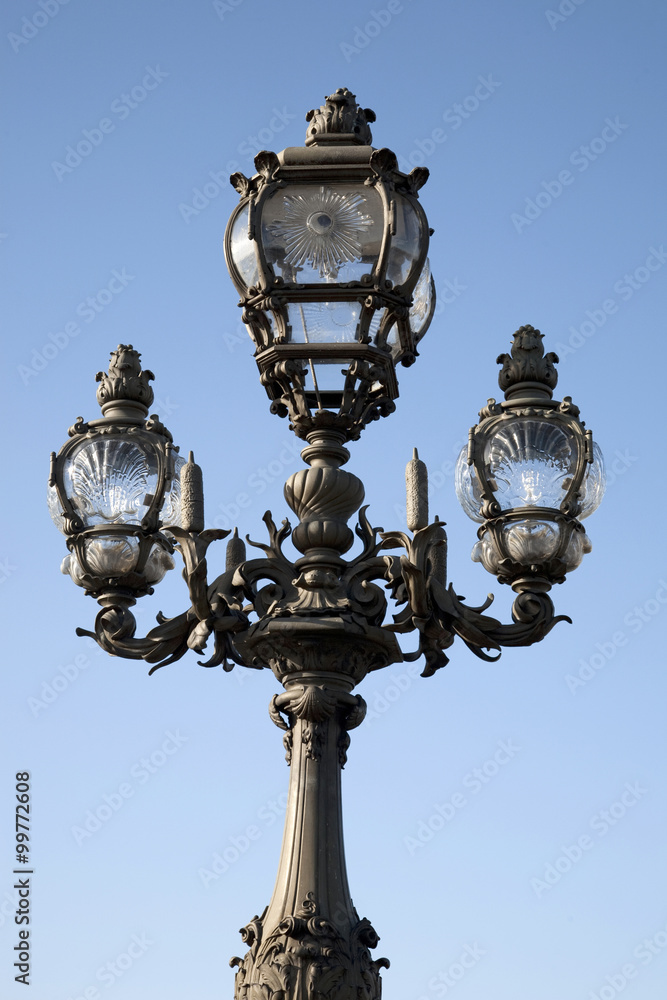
(527, 363)
(340, 119)
(125, 381)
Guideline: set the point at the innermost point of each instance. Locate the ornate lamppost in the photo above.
(328, 251)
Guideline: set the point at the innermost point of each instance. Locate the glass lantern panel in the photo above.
(243, 250)
(111, 480)
(531, 461)
(323, 234)
(405, 243)
(324, 382)
(55, 509)
(323, 322)
(594, 484)
(422, 300)
(393, 340)
(374, 324)
(467, 486)
(171, 508)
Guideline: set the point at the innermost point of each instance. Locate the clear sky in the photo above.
(543, 129)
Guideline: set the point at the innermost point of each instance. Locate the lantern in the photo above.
(114, 484)
(530, 472)
(327, 249)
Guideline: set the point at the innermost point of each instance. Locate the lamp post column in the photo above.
(309, 941)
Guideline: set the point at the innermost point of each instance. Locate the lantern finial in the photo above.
(125, 386)
(527, 364)
(340, 119)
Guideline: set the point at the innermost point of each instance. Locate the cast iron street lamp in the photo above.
(328, 251)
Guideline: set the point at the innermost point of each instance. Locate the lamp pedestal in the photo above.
(310, 941)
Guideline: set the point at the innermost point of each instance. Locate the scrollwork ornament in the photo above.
(155, 425)
(343, 747)
(215, 610)
(440, 615)
(312, 737)
(306, 957)
(288, 745)
(78, 427)
(567, 406)
(492, 409)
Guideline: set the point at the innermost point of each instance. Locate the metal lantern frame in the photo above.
(337, 153)
(125, 396)
(528, 378)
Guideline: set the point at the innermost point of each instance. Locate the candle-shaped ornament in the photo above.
(235, 551)
(416, 488)
(192, 496)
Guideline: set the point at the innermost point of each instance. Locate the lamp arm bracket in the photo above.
(216, 609)
(438, 612)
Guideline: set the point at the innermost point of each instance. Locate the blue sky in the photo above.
(543, 129)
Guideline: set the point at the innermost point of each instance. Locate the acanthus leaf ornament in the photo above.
(125, 381)
(315, 704)
(527, 362)
(383, 162)
(216, 610)
(416, 179)
(242, 184)
(306, 956)
(267, 165)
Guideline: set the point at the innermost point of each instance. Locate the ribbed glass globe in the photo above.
(170, 513)
(171, 508)
(527, 472)
(115, 556)
(530, 543)
(594, 484)
(243, 249)
(531, 461)
(422, 298)
(467, 486)
(110, 480)
(405, 241)
(55, 508)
